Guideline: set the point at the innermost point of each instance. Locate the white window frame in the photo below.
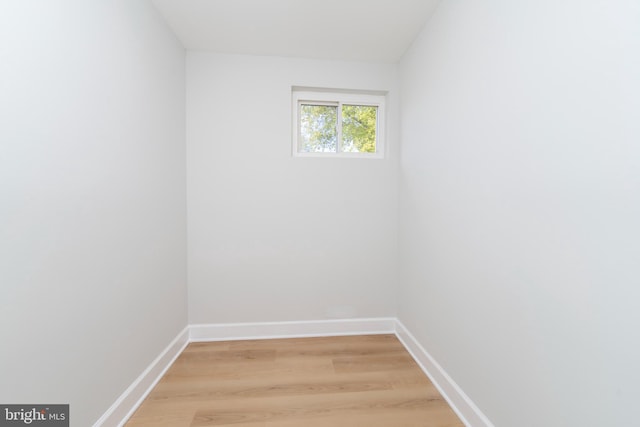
(338, 98)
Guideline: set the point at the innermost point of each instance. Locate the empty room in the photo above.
(280, 213)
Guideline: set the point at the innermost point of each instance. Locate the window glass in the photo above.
(318, 128)
(359, 128)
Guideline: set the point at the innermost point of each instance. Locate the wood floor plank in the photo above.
(267, 387)
(430, 418)
(372, 363)
(355, 381)
(181, 418)
(401, 403)
(256, 369)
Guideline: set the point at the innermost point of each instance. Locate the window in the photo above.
(338, 124)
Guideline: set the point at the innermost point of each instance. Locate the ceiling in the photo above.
(363, 30)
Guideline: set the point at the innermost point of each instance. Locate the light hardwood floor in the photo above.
(358, 381)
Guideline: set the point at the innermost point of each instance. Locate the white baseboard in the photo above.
(269, 330)
(468, 412)
(128, 402)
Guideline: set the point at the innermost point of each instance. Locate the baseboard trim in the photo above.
(463, 406)
(128, 402)
(270, 330)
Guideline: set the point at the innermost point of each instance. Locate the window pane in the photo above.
(359, 128)
(318, 132)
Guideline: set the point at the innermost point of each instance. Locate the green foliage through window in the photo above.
(359, 128)
(319, 128)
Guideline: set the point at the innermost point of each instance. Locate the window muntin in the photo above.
(340, 124)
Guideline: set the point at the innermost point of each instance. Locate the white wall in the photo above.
(520, 199)
(92, 199)
(272, 237)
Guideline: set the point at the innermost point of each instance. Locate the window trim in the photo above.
(338, 98)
